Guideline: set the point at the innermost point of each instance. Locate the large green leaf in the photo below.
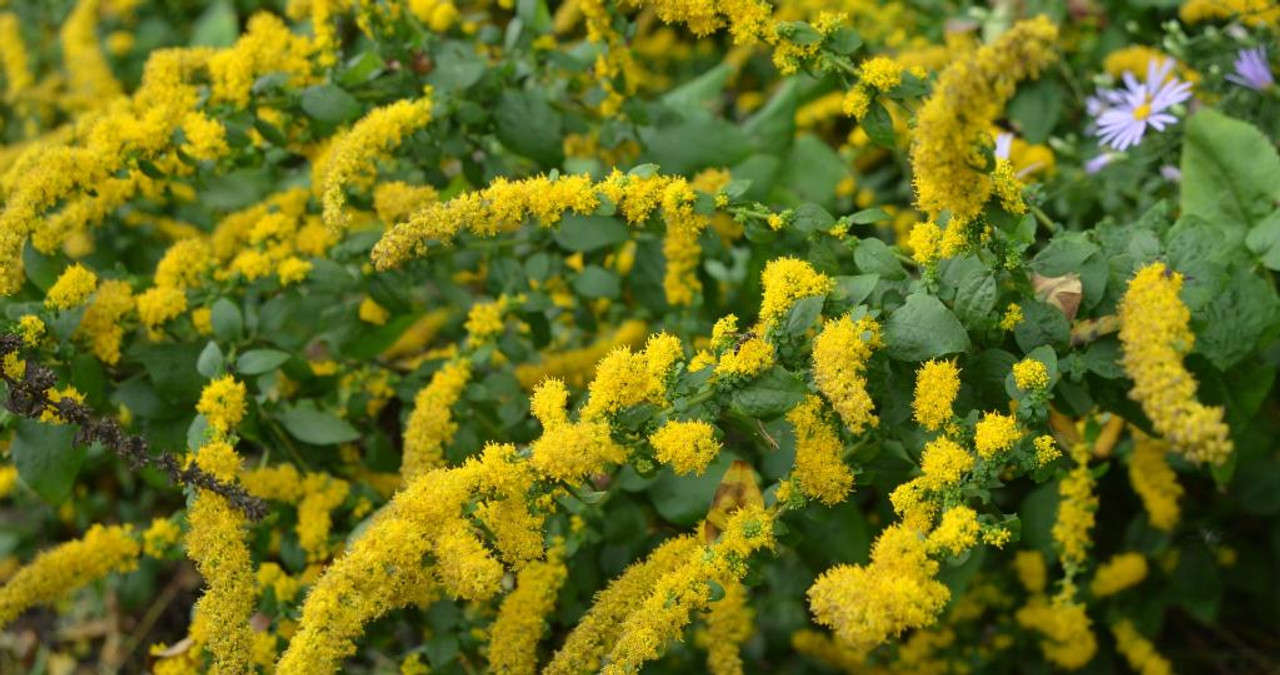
(46, 459)
(528, 125)
(1230, 173)
(317, 427)
(924, 328)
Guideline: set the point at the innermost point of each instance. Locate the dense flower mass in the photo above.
(1155, 332)
(576, 336)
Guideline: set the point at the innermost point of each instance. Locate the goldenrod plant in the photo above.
(576, 336)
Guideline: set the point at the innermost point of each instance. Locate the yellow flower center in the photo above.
(1142, 112)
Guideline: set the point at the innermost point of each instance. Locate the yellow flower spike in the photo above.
(1137, 650)
(819, 469)
(68, 566)
(222, 402)
(1155, 333)
(1122, 571)
(431, 425)
(1067, 639)
(598, 630)
(1155, 481)
(937, 385)
(372, 138)
(840, 355)
(522, 618)
(952, 125)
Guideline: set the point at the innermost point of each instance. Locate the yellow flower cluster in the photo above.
(1122, 571)
(951, 127)
(840, 355)
(72, 289)
(68, 566)
(354, 155)
(748, 20)
(995, 433)
(568, 451)
(1138, 651)
(222, 402)
(819, 469)
(1076, 506)
(786, 281)
(752, 357)
(1155, 481)
(1046, 449)
(937, 385)
(513, 641)
(867, 604)
(1030, 375)
(669, 605)
(160, 537)
(216, 543)
(101, 326)
(1155, 333)
(956, 533)
(688, 446)
(944, 463)
(878, 73)
(729, 623)
(431, 426)
(1067, 639)
(598, 630)
(383, 569)
(1251, 12)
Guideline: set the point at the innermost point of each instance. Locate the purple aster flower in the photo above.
(1252, 70)
(1139, 105)
(1098, 163)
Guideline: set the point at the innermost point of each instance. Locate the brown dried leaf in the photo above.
(1064, 292)
(737, 489)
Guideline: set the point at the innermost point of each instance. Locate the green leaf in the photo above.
(769, 395)
(527, 124)
(1042, 324)
(362, 68)
(879, 125)
(1264, 240)
(1230, 327)
(317, 427)
(873, 256)
(923, 329)
(853, 290)
(874, 214)
(802, 315)
(845, 40)
(218, 26)
(457, 66)
(976, 297)
(695, 144)
(773, 127)
(588, 233)
(330, 104)
(228, 324)
(46, 459)
(210, 362)
(701, 92)
(1230, 173)
(597, 282)
(258, 361)
(1036, 108)
(810, 218)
